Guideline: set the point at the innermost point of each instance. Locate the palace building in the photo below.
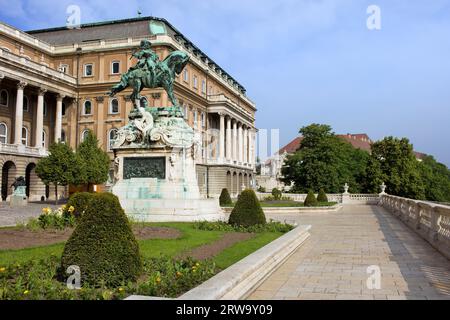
(54, 84)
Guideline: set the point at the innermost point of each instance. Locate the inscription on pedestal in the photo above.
(144, 167)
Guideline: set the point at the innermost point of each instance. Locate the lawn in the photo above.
(191, 238)
(289, 203)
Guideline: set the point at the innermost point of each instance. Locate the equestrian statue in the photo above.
(150, 72)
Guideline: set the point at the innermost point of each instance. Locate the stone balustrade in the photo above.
(345, 198)
(431, 221)
(22, 150)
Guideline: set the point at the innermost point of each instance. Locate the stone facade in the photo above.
(53, 84)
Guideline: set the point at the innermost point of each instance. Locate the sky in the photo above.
(308, 61)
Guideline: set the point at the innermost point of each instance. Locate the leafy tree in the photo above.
(60, 168)
(400, 167)
(324, 161)
(436, 178)
(373, 176)
(94, 162)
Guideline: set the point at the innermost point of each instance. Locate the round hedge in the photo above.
(247, 211)
(225, 199)
(322, 196)
(103, 244)
(310, 200)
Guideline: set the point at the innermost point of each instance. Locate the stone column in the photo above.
(19, 113)
(239, 142)
(58, 118)
(228, 155)
(100, 121)
(245, 157)
(222, 137)
(235, 140)
(251, 147)
(39, 117)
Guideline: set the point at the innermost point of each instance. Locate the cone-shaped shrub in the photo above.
(103, 244)
(247, 211)
(310, 200)
(80, 203)
(322, 196)
(225, 199)
(276, 194)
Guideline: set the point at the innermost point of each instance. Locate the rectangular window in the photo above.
(203, 119)
(195, 82)
(186, 75)
(195, 118)
(115, 67)
(203, 86)
(88, 70)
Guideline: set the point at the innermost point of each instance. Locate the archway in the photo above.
(229, 185)
(9, 171)
(31, 179)
(234, 184)
(240, 183)
(245, 182)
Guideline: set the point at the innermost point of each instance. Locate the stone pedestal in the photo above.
(155, 176)
(18, 198)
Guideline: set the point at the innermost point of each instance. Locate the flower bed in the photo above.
(163, 277)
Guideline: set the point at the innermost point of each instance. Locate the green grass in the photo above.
(191, 238)
(242, 249)
(288, 203)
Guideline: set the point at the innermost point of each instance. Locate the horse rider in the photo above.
(147, 58)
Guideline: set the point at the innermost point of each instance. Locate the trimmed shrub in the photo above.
(310, 200)
(225, 199)
(103, 244)
(261, 189)
(79, 203)
(276, 194)
(247, 211)
(322, 197)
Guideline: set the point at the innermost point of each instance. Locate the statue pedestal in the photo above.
(18, 198)
(160, 184)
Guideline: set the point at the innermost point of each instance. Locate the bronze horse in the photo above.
(164, 76)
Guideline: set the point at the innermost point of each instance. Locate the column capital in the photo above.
(2, 76)
(21, 85)
(100, 98)
(60, 97)
(42, 91)
(222, 114)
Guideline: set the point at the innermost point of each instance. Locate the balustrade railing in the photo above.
(431, 221)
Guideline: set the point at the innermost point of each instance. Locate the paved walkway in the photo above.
(332, 264)
(13, 216)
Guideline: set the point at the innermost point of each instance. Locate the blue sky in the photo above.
(305, 61)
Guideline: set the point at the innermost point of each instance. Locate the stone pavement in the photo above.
(12, 216)
(333, 263)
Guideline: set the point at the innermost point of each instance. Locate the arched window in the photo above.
(24, 136)
(25, 103)
(63, 136)
(84, 134)
(114, 106)
(111, 138)
(4, 98)
(3, 133)
(87, 110)
(63, 109)
(44, 139)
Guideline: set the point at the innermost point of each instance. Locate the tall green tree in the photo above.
(436, 178)
(94, 162)
(399, 167)
(59, 168)
(324, 161)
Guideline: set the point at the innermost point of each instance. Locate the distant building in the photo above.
(271, 169)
